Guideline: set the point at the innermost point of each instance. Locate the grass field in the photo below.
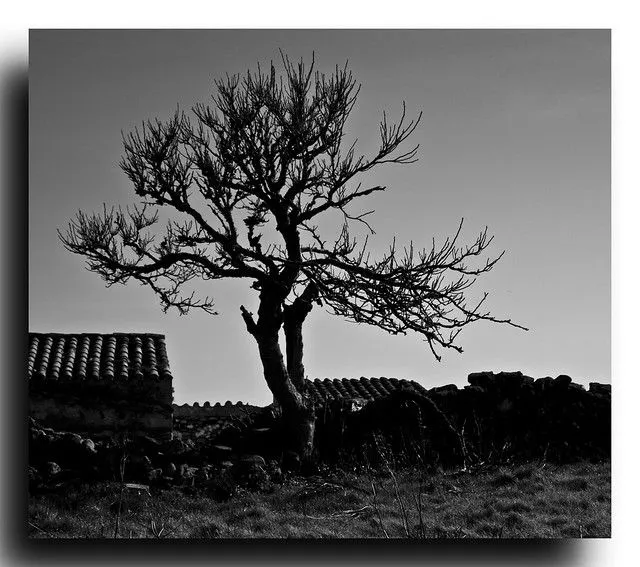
(526, 501)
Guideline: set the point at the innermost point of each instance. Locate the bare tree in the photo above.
(271, 153)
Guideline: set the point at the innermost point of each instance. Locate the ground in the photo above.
(531, 500)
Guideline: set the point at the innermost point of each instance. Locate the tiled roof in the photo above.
(364, 388)
(207, 410)
(92, 356)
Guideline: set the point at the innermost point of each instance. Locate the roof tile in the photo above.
(364, 388)
(93, 356)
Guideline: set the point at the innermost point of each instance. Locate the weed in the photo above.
(355, 506)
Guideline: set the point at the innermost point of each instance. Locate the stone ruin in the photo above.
(497, 416)
(101, 384)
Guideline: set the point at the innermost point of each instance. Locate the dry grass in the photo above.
(526, 501)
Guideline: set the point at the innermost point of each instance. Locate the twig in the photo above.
(123, 461)
(377, 509)
(419, 507)
(352, 513)
(41, 530)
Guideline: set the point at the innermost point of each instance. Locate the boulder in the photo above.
(474, 391)
(291, 461)
(253, 460)
(153, 474)
(481, 379)
(250, 474)
(444, 389)
(542, 384)
(72, 439)
(562, 381)
(201, 475)
(600, 389)
(34, 477)
(52, 469)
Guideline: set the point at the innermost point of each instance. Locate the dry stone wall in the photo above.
(509, 413)
(497, 416)
(207, 421)
(102, 408)
(100, 384)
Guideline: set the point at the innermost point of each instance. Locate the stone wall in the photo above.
(513, 413)
(497, 417)
(206, 421)
(104, 407)
(507, 414)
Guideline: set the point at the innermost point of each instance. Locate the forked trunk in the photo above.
(298, 419)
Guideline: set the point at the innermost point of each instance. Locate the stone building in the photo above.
(363, 389)
(101, 383)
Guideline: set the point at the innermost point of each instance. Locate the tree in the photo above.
(268, 160)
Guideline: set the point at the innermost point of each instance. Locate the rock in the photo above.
(250, 474)
(509, 379)
(562, 381)
(154, 474)
(201, 475)
(190, 472)
(37, 434)
(275, 472)
(444, 389)
(543, 384)
(474, 390)
(291, 461)
(527, 381)
(600, 389)
(52, 468)
(221, 452)
(72, 439)
(481, 379)
(136, 489)
(253, 460)
(33, 477)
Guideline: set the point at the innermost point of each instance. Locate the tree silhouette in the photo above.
(249, 176)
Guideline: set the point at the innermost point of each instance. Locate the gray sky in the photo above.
(515, 135)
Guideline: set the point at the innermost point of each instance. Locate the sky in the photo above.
(515, 136)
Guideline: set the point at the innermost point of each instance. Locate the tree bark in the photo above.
(297, 415)
(294, 349)
(294, 316)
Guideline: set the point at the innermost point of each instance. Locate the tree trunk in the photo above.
(297, 416)
(295, 366)
(294, 316)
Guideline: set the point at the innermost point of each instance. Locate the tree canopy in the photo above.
(270, 151)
